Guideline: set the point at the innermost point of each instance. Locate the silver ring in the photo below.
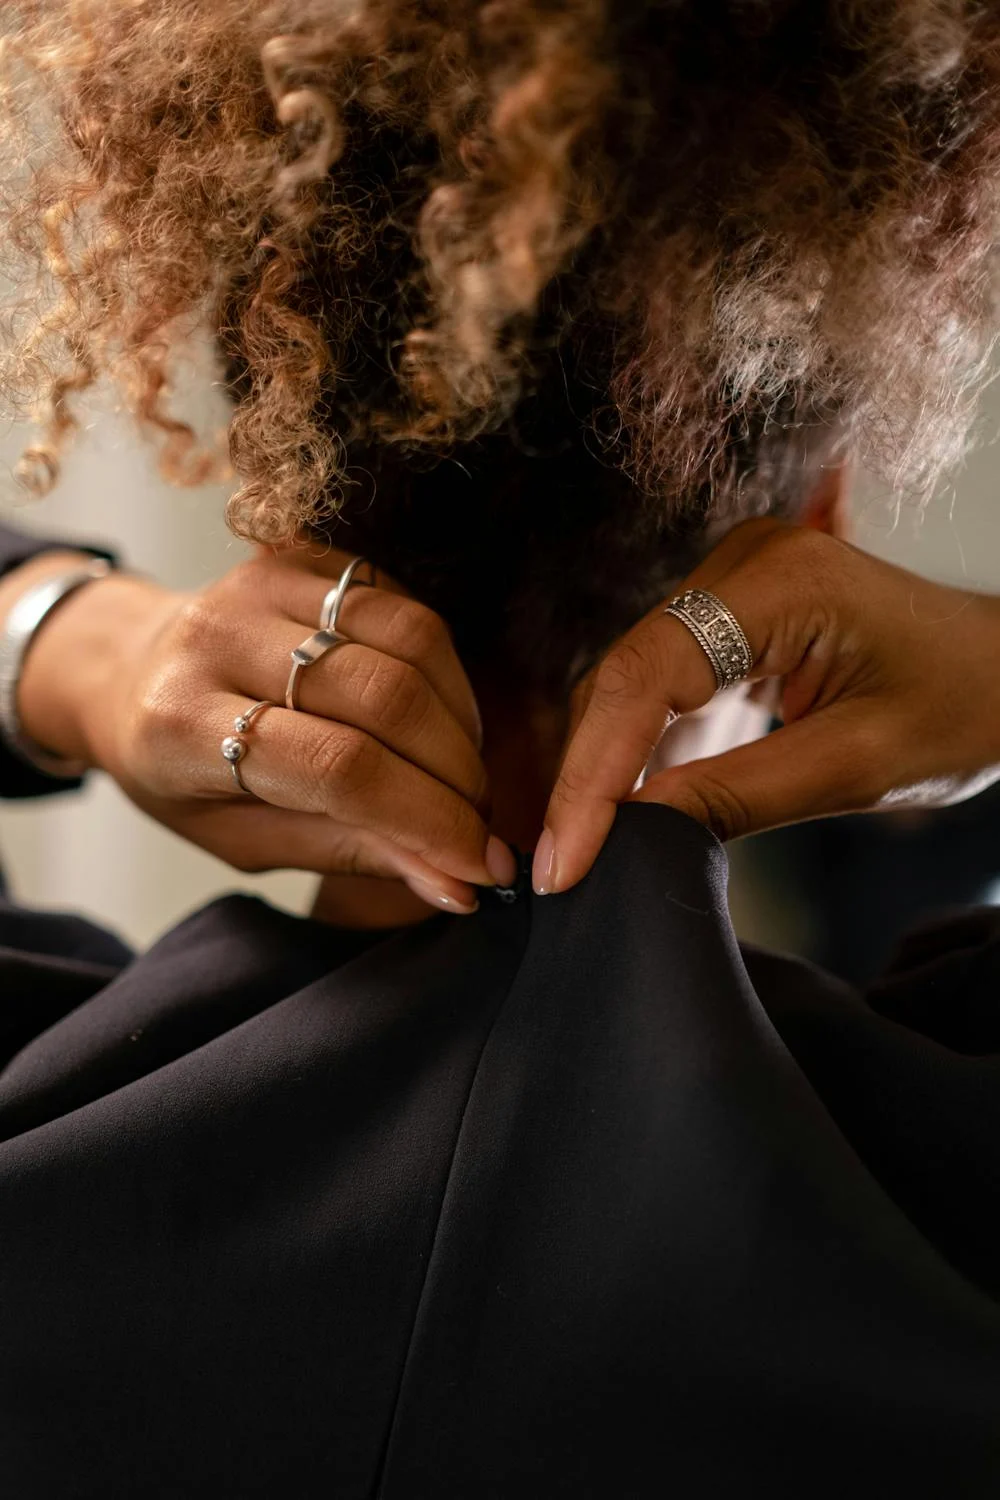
(315, 646)
(312, 649)
(718, 633)
(234, 747)
(330, 610)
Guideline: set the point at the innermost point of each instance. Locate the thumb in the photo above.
(827, 763)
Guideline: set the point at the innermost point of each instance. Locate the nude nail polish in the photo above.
(435, 897)
(544, 869)
(500, 862)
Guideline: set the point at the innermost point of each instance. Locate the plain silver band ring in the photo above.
(718, 633)
(234, 747)
(333, 603)
(327, 636)
(307, 654)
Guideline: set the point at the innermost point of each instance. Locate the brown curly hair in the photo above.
(612, 272)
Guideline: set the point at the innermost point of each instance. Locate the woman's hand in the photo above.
(379, 774)
(890, 696)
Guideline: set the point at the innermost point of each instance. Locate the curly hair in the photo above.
(677, 251)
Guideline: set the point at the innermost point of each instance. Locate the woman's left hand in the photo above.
(889, 689)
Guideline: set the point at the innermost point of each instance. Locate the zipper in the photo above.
(508, 894)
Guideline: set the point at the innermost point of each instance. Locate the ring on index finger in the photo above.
(717, 631)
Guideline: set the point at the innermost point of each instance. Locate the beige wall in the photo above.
(96, 854)
(957, 537)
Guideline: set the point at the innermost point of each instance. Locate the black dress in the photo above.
(570, 1198)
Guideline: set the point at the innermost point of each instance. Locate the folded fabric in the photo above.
(570, 1198)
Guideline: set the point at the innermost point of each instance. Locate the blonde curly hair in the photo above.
(734, 225)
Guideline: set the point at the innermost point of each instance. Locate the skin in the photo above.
(382, 786)
(379, 776)
(889, 695)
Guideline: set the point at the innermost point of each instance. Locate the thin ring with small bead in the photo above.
(234, 747)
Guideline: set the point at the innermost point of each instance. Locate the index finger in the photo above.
(651, 675)
(658, 670)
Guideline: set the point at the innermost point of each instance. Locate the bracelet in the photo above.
(23, 623)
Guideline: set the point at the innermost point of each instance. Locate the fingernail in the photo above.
(500, 862)
(436, 897)
(544, 870)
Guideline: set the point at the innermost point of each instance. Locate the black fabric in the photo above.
(17, 778)
(570, 1198)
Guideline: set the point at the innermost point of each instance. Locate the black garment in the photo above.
(17, 778)
(568, 1198)
(863, 880)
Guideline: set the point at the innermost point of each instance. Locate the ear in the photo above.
(828, 506)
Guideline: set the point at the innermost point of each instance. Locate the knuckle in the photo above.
(625, 674)
(445, 830)
(417, 632)
(163, 709)
(239, 592)
(344, 761)
(192, 618)
(348, 856)
(458, 833)
(718, 806)
(789, 540)
(572, 786)
(392, 693)
(800, 553)
(196, 622)
(805, 583)
(160, 726)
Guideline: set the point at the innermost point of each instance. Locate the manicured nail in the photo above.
(544, 870)
(436, 897)
(500, 862)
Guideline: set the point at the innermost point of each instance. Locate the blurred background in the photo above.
(93, 852)
(836, 891)
(843, 891)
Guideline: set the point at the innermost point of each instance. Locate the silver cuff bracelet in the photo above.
(19, 630)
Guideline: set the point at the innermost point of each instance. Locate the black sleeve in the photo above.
(17, 778)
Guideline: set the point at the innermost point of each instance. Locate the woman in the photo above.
(530, 306)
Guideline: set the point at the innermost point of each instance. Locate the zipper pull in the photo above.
(508, 894)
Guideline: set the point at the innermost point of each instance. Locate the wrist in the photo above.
(72, 673)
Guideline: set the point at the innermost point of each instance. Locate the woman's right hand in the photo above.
(378, 774)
